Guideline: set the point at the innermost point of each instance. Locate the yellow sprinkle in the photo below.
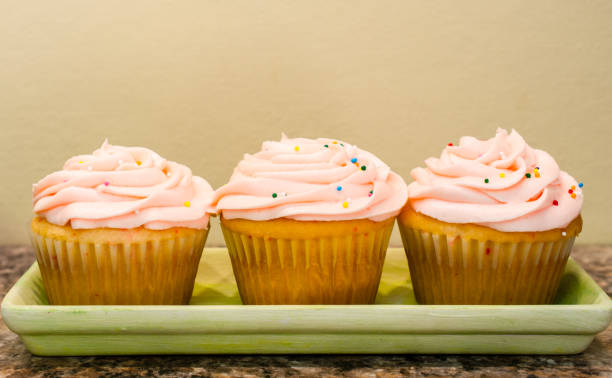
(187, 204)
(536, 173)
(573, 195)
(138, 162)
(335, 142)
(81, 162)
(502, 175)
(345, 204)
(297, 148)
(573, 187)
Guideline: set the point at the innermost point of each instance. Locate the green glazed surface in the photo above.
(216, 322)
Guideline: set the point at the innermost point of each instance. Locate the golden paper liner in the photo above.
(124, 270)
(307, 262)
(466, 267)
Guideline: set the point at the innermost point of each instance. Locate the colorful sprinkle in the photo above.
(570, 191)
(363, 167)
(573, 187)
(138, 162)
(580, 184)
(274, 195)
(450, 144)
(335, 142)
(502, 175)
(528, 175)
(339, 188)
(486, 181)
(345, 204)
(81, 162)
(372, 191)
(326, 145)
(105, 183)
(370, 194)
(555, 203)
(573, 195)
(488, 251)
(536, 172)
(342, 144)
(187, 204)
(354, 160)
(297, 148)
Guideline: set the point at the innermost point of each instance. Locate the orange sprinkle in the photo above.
(573, 195)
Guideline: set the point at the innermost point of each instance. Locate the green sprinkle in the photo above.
(371, 191)
(274, 195)
(486, 181)
(342, 144)
(363, 167)
(528, 175)
(326, 145)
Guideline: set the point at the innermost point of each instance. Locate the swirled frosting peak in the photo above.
(501, 183)
(123, 187)
(306, 179)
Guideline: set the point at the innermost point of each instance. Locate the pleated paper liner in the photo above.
(158, 271)
(458, 268)
(301, 262)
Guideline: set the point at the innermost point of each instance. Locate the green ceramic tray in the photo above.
(216, 322)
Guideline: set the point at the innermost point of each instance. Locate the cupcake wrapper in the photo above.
(469, 271)
(344, 269)
(140, 273)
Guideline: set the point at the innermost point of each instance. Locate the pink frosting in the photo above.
(453, 188)
(123, 187)
(306, 179)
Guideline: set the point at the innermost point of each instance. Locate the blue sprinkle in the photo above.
(354, 160)
(339, 188)
(580, 184)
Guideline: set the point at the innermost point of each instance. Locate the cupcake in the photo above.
(308, 222)
(121, 226)
(490, 222)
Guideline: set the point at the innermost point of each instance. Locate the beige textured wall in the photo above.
(201, 82)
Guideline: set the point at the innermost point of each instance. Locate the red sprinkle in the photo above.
(450, 144)
(570, 191)
(556, 203)
(488, 251)
(106, 183)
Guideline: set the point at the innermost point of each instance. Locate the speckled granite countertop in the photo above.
(15, 361)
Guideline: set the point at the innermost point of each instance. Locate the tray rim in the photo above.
(313, 319)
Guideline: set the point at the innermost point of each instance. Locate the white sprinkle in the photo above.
(564, 233)
(284, 194)
(137, 211)
(89, 168)
(502, 154)
(120, 162)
